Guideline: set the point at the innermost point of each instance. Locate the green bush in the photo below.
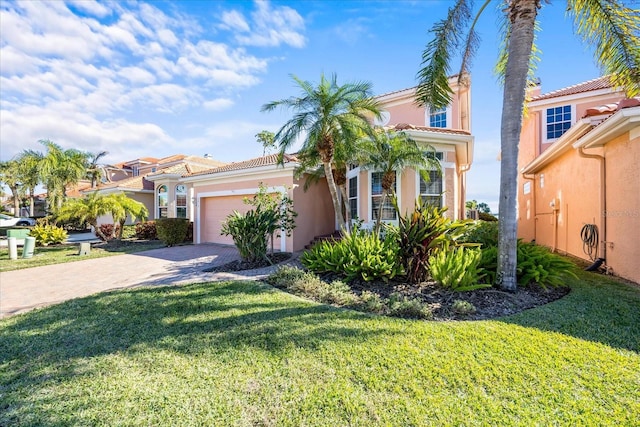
(146, 230)
(250, 232)
(403, 306)
(172, 231)
(484, 216)
(482, 232)
(457, 269)
(359, 254)
(463, 307)
(538, 265)
(422, 232)
(129, 231)
(46, 234)
(489, 263)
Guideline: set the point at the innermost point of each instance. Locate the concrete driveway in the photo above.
(24, 290)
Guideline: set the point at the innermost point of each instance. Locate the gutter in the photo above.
(603, 197)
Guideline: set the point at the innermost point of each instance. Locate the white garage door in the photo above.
(214, 210)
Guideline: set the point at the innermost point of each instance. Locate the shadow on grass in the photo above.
(599, 309)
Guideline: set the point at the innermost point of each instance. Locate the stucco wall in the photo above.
(315, 213)
(623, 206)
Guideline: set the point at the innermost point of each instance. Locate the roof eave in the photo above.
(241, 172)
(619, 123)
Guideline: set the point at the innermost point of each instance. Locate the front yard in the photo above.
(244, 354)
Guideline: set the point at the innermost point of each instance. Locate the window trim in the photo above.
(186, 204)
(370, 196)
(543, 121)
(427, 118)
(443, 170)
(357, 196)
(158, 205)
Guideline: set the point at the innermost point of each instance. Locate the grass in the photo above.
(245, 354)
(68, 253)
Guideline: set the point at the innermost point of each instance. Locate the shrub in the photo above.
(359, 254)
(538, 265)
(489, 263)
(46, 234)
(482, 232)
(128, 232)
(108, 230)
(146, 230)
(422, 232)
(463, 307)
(403, 306)
(172, 230)
(484, 216)
(457, 269)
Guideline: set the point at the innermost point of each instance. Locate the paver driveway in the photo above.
(24, 290)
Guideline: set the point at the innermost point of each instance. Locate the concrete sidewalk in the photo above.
(24, 290)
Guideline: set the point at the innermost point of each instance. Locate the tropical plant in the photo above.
(281, 206)
(608, 25)
(48, 234)
(326, 115)
(265, 138)
(537, 265)
(29, 162)
(10, 176)
(458, 269)
(146, 230)
(94, 171)
(359, 254)
(59, 169)
(391, 152)
(125, 207)
(419, 234)
(88, 209)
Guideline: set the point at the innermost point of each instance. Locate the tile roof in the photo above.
(407, 126)
(135, 183)
(269, 160)
(612, 108)
(588, 86)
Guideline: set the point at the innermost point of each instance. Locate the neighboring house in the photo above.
(580, 172)
(132, 178)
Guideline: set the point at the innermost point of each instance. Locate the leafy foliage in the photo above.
(482, 232)
(108, 231)
(359, 254)
(146, 230)
(47, 234)
(457, 269)
(251, 231)
(537, 265)
(419, 234)
(172, 231)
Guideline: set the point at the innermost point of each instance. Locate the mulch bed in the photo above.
(239, 265)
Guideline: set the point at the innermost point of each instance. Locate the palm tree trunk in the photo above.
(334, 195)
(380, 208)
(522, 15)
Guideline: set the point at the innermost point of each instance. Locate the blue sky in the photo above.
(160, 78)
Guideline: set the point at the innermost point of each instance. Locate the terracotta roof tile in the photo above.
(612, 108)
(271, 159)
(134, 183)
(407, 126)
(588, 86)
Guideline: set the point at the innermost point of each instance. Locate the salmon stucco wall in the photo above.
(623, 205)
(316, 216)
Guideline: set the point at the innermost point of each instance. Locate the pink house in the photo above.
(208, 196)
(579, 187)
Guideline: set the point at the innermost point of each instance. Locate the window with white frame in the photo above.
(558, 121)
(431, 191)
(438, 118)
(353, 197)
(388, 211)
(135, 170)
(163, 201)
(181, 201)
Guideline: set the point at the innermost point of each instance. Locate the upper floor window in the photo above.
(181, 201)
(163, 201)
(558, 121)
(438, 118)
(135, 171)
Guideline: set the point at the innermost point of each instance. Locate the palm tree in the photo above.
(324, 116)
(124, 207)
(9, 175)
(94, 171)
(29, 162)
(87, 209)
(390, 152)
(607, 25)
(59, 169)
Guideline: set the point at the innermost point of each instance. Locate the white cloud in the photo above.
(270, 26)
(218, 104)
(92, 7)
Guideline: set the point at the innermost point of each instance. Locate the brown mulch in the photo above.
(240, 265)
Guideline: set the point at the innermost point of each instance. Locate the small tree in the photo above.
(124, 207)
(266, 138)
(88, 209)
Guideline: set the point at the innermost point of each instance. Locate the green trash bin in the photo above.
(29, 246)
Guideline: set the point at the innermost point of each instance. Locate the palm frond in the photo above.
(613, 29)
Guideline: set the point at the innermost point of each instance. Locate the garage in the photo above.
(215, 210)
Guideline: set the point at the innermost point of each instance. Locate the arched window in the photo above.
(181, 201)
(163, 201)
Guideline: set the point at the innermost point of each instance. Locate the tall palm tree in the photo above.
(94, 171)
(9, 176)
(326, 115)
(390, 152)
(608, 25)
(29, 162)
(59, 169)
(87, 209)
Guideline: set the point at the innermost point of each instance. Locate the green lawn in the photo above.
(245, 354)
(67, 253)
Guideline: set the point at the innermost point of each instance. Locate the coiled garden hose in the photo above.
(589, 236)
